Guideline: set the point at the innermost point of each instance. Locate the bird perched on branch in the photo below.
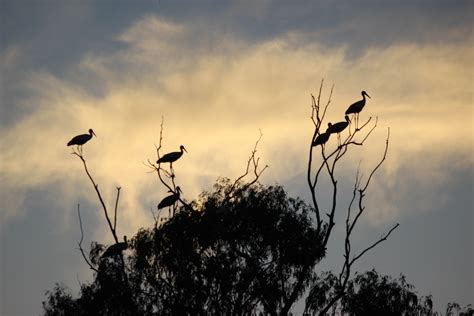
(80, 140)
(170, 199)
(338, 127)
(356, 107)
(172, 157)
(116, 249)
(321, 139)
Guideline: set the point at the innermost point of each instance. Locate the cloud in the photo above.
(214, 102)
(431, 180)
(218, 73)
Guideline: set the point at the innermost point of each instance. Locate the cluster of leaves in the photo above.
(375, 294)
(109, 294)
(371, 293)
(244, 249)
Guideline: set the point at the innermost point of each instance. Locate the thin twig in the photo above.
(82, 239)
(383, 238)
(116, 206)
(254, 162)
(380, 162)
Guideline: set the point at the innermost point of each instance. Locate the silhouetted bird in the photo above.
(80, 140)
(321, 139)
(172, 157)
(356, 107)
(338, 127)
(170, 199)
(116, 249)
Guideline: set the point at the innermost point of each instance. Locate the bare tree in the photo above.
(326, 163)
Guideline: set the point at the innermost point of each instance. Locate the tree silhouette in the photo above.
(225, 257)
(240, 248)
(369, 294)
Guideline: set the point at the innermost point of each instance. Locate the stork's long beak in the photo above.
(94, 134)
(368, 96)
(184, 149)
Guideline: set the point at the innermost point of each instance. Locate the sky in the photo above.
(218, 72)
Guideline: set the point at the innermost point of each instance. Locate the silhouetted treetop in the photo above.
(369, 293)
(230, 254)
(242, 249)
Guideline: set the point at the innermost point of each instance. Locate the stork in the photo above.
(116, 249)
(170, 199)
(172, 157)
(338, 127)
(321, 139)
(356, 107)
(80, 140)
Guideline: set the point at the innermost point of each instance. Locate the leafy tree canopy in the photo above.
(243, 249)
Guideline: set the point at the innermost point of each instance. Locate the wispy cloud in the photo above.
(215, 100)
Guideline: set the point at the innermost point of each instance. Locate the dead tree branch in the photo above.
(359, 192)
(327, 165)
(81, 240)
(252, 163)
(329, 162)
(116, 206)
(166, 177)
(99, 195)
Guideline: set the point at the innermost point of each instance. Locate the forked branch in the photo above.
(99, 195)
(166, 177)
(251, 167)
(327, 165)
(359, 194)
